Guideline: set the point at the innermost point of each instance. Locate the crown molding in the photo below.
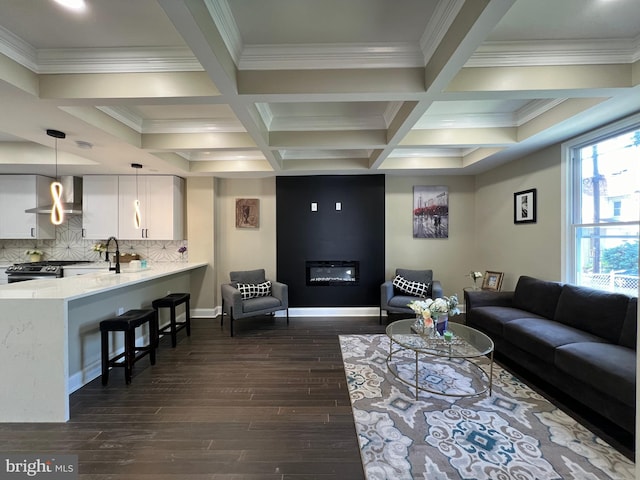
(313, 123)
(545, 52)
(518, 118)
(266, 114)
(192, 126)
(18, 50)
(223, 18)
(438, 25)
(466, 120)
(142, 126)
(313, 154)
(323, 56)
(390, 112)
(117, 60)
(125, 116)
(429, 152)
(97, 60)
(534, 109)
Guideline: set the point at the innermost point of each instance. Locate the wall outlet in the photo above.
(120, 310)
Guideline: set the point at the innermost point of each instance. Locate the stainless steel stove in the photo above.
(21, 272)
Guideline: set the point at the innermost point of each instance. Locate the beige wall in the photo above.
(245, 248)
(526, 249)
(200, 218)
(450, 259)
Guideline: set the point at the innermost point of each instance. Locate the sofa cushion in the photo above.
(260, 303)
(492, 319)
(537, 296)
(594, 311)
(409, 287)
(628, 337)
(422, 276)
(252, 290)
(608, 368)
(540, 337)
(401, 301)
(248, 276)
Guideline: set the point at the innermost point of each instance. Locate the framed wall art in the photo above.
(247, 213)
(430, 212)
(492, 281)
(524, 206)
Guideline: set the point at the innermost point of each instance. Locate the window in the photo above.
(604, 209)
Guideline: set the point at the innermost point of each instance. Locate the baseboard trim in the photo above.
(302, 312)
(331, 312)
(206, 312)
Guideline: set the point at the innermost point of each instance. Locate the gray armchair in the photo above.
(395, 301)
(251, 282)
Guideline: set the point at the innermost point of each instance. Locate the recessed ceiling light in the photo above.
(77, 5)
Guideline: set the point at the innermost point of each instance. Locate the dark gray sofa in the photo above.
(580, 340)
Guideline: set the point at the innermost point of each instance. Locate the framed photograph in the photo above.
(430, 212)
(492, 281)
(524, 206)
(247, 213)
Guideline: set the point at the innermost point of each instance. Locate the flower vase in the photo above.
(34, 257)
(441, 324)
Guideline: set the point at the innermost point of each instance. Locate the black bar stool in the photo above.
(127, 323)
(171, 301)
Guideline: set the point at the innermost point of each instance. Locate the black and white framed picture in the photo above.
(430, 211)
(524, 206)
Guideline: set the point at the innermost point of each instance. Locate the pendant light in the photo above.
(57, 213)
(137, 219)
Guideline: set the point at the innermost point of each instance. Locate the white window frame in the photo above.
(570, 189)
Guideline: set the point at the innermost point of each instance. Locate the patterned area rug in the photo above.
(513, 434)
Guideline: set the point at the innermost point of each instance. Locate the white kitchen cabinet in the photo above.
(99, 206)
(161, 207)
(19, 193)
(3, 276)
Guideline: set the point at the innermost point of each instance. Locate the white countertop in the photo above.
(93, 265)
(69, 288)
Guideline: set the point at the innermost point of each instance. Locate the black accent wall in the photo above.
(356, 232)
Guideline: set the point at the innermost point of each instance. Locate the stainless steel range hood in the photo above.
(71, 197)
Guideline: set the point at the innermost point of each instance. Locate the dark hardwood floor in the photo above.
(269, 403)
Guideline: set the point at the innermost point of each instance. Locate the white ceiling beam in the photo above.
(99, 86)
(568, 78)
(329, 139)
(461, 136)
(191, 141)
(473, 22)
(194, 21)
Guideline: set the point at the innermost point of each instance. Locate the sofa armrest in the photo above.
(436, 289)
(231, 298)
(386, 292)
(281, 292)
(483, 298)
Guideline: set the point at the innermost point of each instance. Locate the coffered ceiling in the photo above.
(300, 87)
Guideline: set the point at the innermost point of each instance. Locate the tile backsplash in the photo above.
(69, 245)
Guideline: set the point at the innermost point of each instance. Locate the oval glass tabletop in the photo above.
(466, 342)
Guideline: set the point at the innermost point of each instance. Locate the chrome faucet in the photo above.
(106, 255)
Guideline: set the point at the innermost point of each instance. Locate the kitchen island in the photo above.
(50, 335)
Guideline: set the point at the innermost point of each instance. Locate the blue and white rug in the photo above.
(513, 434)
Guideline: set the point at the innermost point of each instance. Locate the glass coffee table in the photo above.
(453, 367)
